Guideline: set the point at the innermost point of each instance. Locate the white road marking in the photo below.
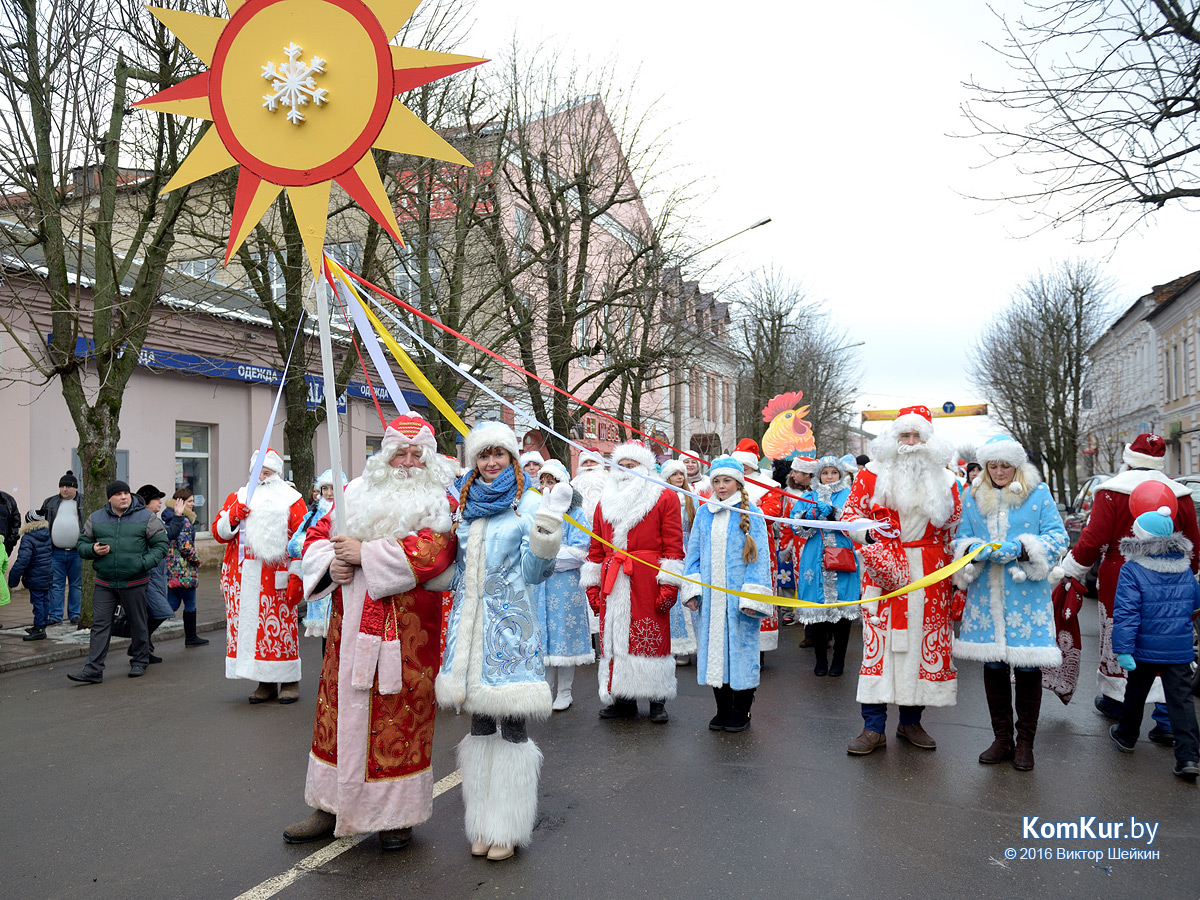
(328, 853)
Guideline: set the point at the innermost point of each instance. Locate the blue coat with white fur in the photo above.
(1009, 616)
(1156, 596)
(728, 626)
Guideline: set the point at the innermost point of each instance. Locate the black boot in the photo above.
(36, 633)
(724, 695)
(821, 648)
(841, 640)
(620, 708)
(190, 638)
(658, 712)
(1029, 706)
(999, 700)
(739, 718)
(151, 625)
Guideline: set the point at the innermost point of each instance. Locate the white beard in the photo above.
(626, 498)
(266, 530)
(914, 483)
(389, 504)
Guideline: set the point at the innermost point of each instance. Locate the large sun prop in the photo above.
(299, 92)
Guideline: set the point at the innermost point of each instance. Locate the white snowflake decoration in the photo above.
(294, 84)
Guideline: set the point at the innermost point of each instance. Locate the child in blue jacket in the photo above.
(34, 563)
(1157, 597)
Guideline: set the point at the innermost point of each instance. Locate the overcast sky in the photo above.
(834, 120)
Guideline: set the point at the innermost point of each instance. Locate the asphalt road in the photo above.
(172, 786)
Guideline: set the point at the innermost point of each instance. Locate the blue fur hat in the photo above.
(1001, 448)
(727, 465)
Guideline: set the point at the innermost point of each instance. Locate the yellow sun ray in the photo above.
(392, 14)
(404, 132)
(310, 204)
(198, 33)
(208, 157)
(233, 5)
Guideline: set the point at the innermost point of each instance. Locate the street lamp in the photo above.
(759, 224)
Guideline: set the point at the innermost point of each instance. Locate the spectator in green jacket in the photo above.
(125, 543)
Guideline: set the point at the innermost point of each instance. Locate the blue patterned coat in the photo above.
(1009, 616)
(728, 626)
(815, 584)
(562, 603)
(492, 663)
(683, 620)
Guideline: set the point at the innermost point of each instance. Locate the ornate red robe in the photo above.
(1109, 521)
(262, 636)
(370, 759)
(635, 638)
(907, 657)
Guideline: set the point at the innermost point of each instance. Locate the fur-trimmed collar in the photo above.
(34, 526)
(1169, 554)
(626, 505)
(989, 498)
(825, 491)
(1125, 482)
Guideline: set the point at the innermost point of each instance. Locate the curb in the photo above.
(164, 632)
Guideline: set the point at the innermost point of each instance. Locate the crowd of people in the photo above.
(482, 590)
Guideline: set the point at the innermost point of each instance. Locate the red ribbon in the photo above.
(622, 561)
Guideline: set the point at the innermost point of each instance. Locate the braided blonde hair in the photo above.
(750, 550)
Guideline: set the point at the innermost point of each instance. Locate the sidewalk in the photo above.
(66, 641)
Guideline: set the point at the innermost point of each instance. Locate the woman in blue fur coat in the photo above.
(728, 549)
(1009, 615)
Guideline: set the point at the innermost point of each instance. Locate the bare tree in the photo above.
(788, 341)
(1031, 363)
(1101, 118)
(71, 144)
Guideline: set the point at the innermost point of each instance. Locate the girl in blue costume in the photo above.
(492, 664)
(819, 583)
(683, 621)
(1009, 616)
(562, 603)
(728, 549)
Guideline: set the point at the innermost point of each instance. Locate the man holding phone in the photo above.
(125, 543)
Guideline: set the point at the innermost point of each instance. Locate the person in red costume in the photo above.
(1109, 522)
(260, 585)
(633, 600)
(369, 763)
(907, 640)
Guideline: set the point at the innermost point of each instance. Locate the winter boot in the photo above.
(37, 633)
(724, 695)
(999, 700)
(190, 638)
(841, 640)
(821, 648)
(620, 708)
(151, 625)
(316, 827)
(475, 762)
(1029, 706)
(658, 712)
(501, 807)
(566, 677)
(289, 692)
(264, 692)
(739, 718)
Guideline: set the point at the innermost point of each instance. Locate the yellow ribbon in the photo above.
(423, 384)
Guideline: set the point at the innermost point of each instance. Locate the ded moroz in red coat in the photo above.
(635, 638)
(262, 636)
(1111, 520)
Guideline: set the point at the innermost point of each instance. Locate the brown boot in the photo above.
(1029, 706)
(999, 699)
(289, 692)
(264, 692)
(916, 735)
(316, 827)
(867, 742)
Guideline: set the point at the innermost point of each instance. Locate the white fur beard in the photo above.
(387, 503)
(266, 528)
(913, 483)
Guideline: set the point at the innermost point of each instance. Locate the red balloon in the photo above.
(1151, 495)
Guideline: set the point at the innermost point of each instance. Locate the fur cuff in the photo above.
(589, 575)
(440, 582)
(689, 591)
(968, 573)
(545, 537)
(1072, 569)
(387, 569)
(673, 568)
(224, 532)
(315, 570)
(756, 608)
(1037, 567)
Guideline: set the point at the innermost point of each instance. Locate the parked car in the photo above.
(1192, 483)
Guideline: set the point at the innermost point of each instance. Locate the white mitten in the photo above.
(556, 501)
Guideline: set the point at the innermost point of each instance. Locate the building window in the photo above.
(695, 405)
(713, 406)
(198, 268)
(191, 469)
(520, 233)
(726, 402)
(374, 445)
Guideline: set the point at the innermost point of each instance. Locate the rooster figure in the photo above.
(788, 433)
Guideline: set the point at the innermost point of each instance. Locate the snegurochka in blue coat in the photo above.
(728, 548)
(492, 664)
(1009, 615)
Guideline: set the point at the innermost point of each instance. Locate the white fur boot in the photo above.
(552, 678)
(510, 811)
(566, 677)
(475, 761)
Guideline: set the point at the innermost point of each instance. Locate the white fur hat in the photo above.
(671, 466)
(486, 435)
(805, 464)
(635, 450)
(557, 469)
(273, 461)
(1001, 448)
(532, 456)
(728, 465)
(1148, 451)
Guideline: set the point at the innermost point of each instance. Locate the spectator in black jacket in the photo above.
(33, 564)
(10, 521)
(64, 515)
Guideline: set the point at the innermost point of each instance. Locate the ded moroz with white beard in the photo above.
(261, 585)
(907, 640)
(369, 762)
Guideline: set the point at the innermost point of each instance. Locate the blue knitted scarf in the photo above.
(485, 500)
